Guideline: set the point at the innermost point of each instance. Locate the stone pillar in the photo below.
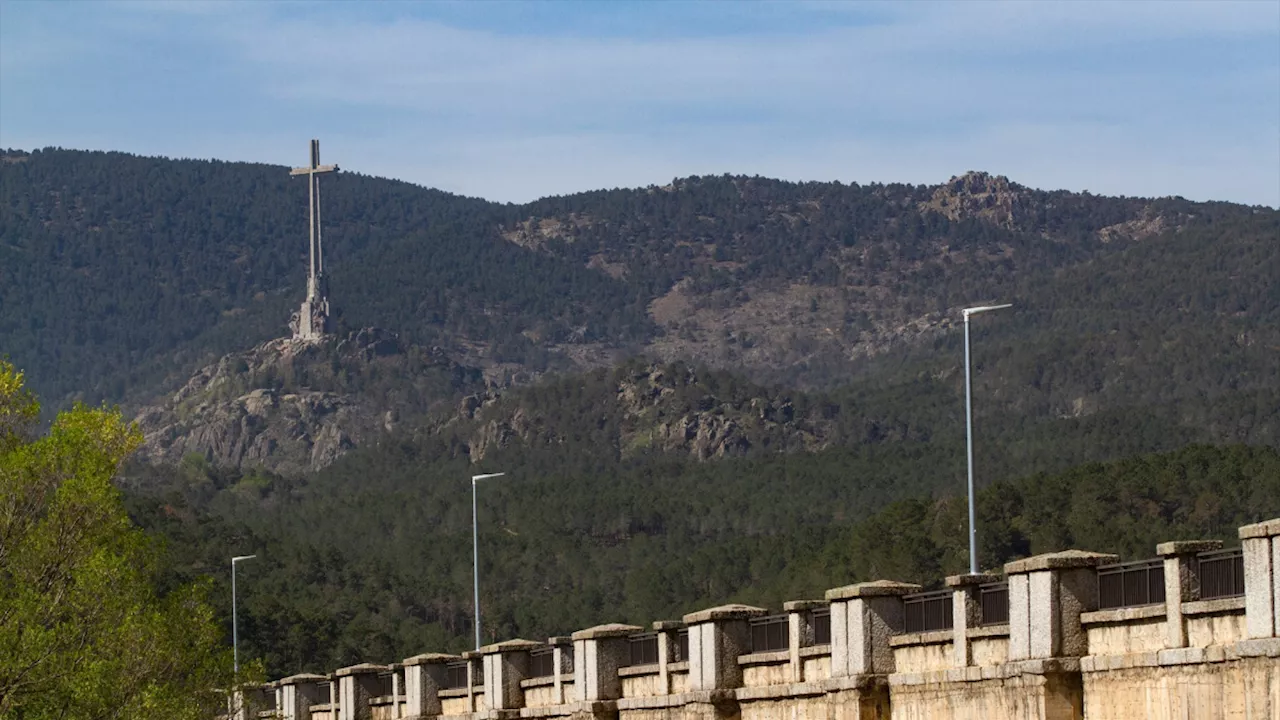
(598, 653)
(966, 608)
(1047, 594)
(1261, 545)
(667, 631)
(296, 694)
(356, 686)
(562, 660)
(717, 636)
(800, 632)
(505, 665)
(1181, 584)
(863, 618)
(424, 678)
(475, 668)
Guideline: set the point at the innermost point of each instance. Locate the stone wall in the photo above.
(1054, 655)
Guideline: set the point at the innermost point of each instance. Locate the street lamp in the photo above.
(235, 637)
(475, 546)
(968, 421)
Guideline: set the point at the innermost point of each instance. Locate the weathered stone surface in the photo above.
(1266, 528)
(725, 612)
(430, 658)
(517, 645)
(956, 581)
(1187, 547)
(801, 605)
(1059, 560)
(875, 588)
(607, 631)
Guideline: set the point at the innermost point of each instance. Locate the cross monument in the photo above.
(311, 322)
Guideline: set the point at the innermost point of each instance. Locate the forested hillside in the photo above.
(119, 275)
(379, 570)
(726, 388)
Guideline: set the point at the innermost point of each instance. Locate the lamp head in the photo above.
(985, 308)
(238, 558)
(474, 478)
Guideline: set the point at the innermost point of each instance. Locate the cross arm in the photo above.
(312, 171)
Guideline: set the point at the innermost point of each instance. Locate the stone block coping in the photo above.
(590, 708)
(875, 588)
(636, 670)
(1004, 671)
(1259, 647)
(538, 681)
(661, 625)
(815, 651)
(300, 678)
(987, 631)
(780, 692)
(802, 605)
(1187, 547)
(1059, 561)
(655, 702)
(431, 659)
(510, 646)
(560, 640)
(1214, 607)
(765, 658)
(1118, 615)
(968, 580)
(937, 637)
(361, 669)
(471, 654)
(610, 630)
(725, 612)
(1266, 528)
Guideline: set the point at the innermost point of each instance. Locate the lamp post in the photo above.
(475, 546)
(235, 633)
(968, 421)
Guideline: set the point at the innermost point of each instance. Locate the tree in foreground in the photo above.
(84, 633)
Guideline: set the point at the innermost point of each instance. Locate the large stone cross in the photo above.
(312, 320)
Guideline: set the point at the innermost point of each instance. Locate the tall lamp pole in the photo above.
(968, 421)
(235, 633)
(475, 546)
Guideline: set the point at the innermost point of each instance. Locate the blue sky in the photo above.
(513, 101)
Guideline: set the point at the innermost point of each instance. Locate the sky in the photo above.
(512, 101)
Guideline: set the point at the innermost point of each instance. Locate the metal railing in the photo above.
(322, 696)
(769, 634)
(993, 600)
(682, 645)
(455, 675)
(542, 662)
(1131, 584)
(1221, 574)
(643, 649)
(821, 620)
(385, 685)
(927, 612)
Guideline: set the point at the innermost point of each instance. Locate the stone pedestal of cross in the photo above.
(311, 322)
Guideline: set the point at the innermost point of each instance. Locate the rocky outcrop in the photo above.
(653, 407)
(292, 406)
(980, 195)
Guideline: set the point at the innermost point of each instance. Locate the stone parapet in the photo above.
(598, 653)
(1260, 544)
(863, 618)
(1047, 594)
(717, 636)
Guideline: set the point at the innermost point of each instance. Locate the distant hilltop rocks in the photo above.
(292, 406)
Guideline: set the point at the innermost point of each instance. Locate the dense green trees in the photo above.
(370, 560)
(83, 631)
